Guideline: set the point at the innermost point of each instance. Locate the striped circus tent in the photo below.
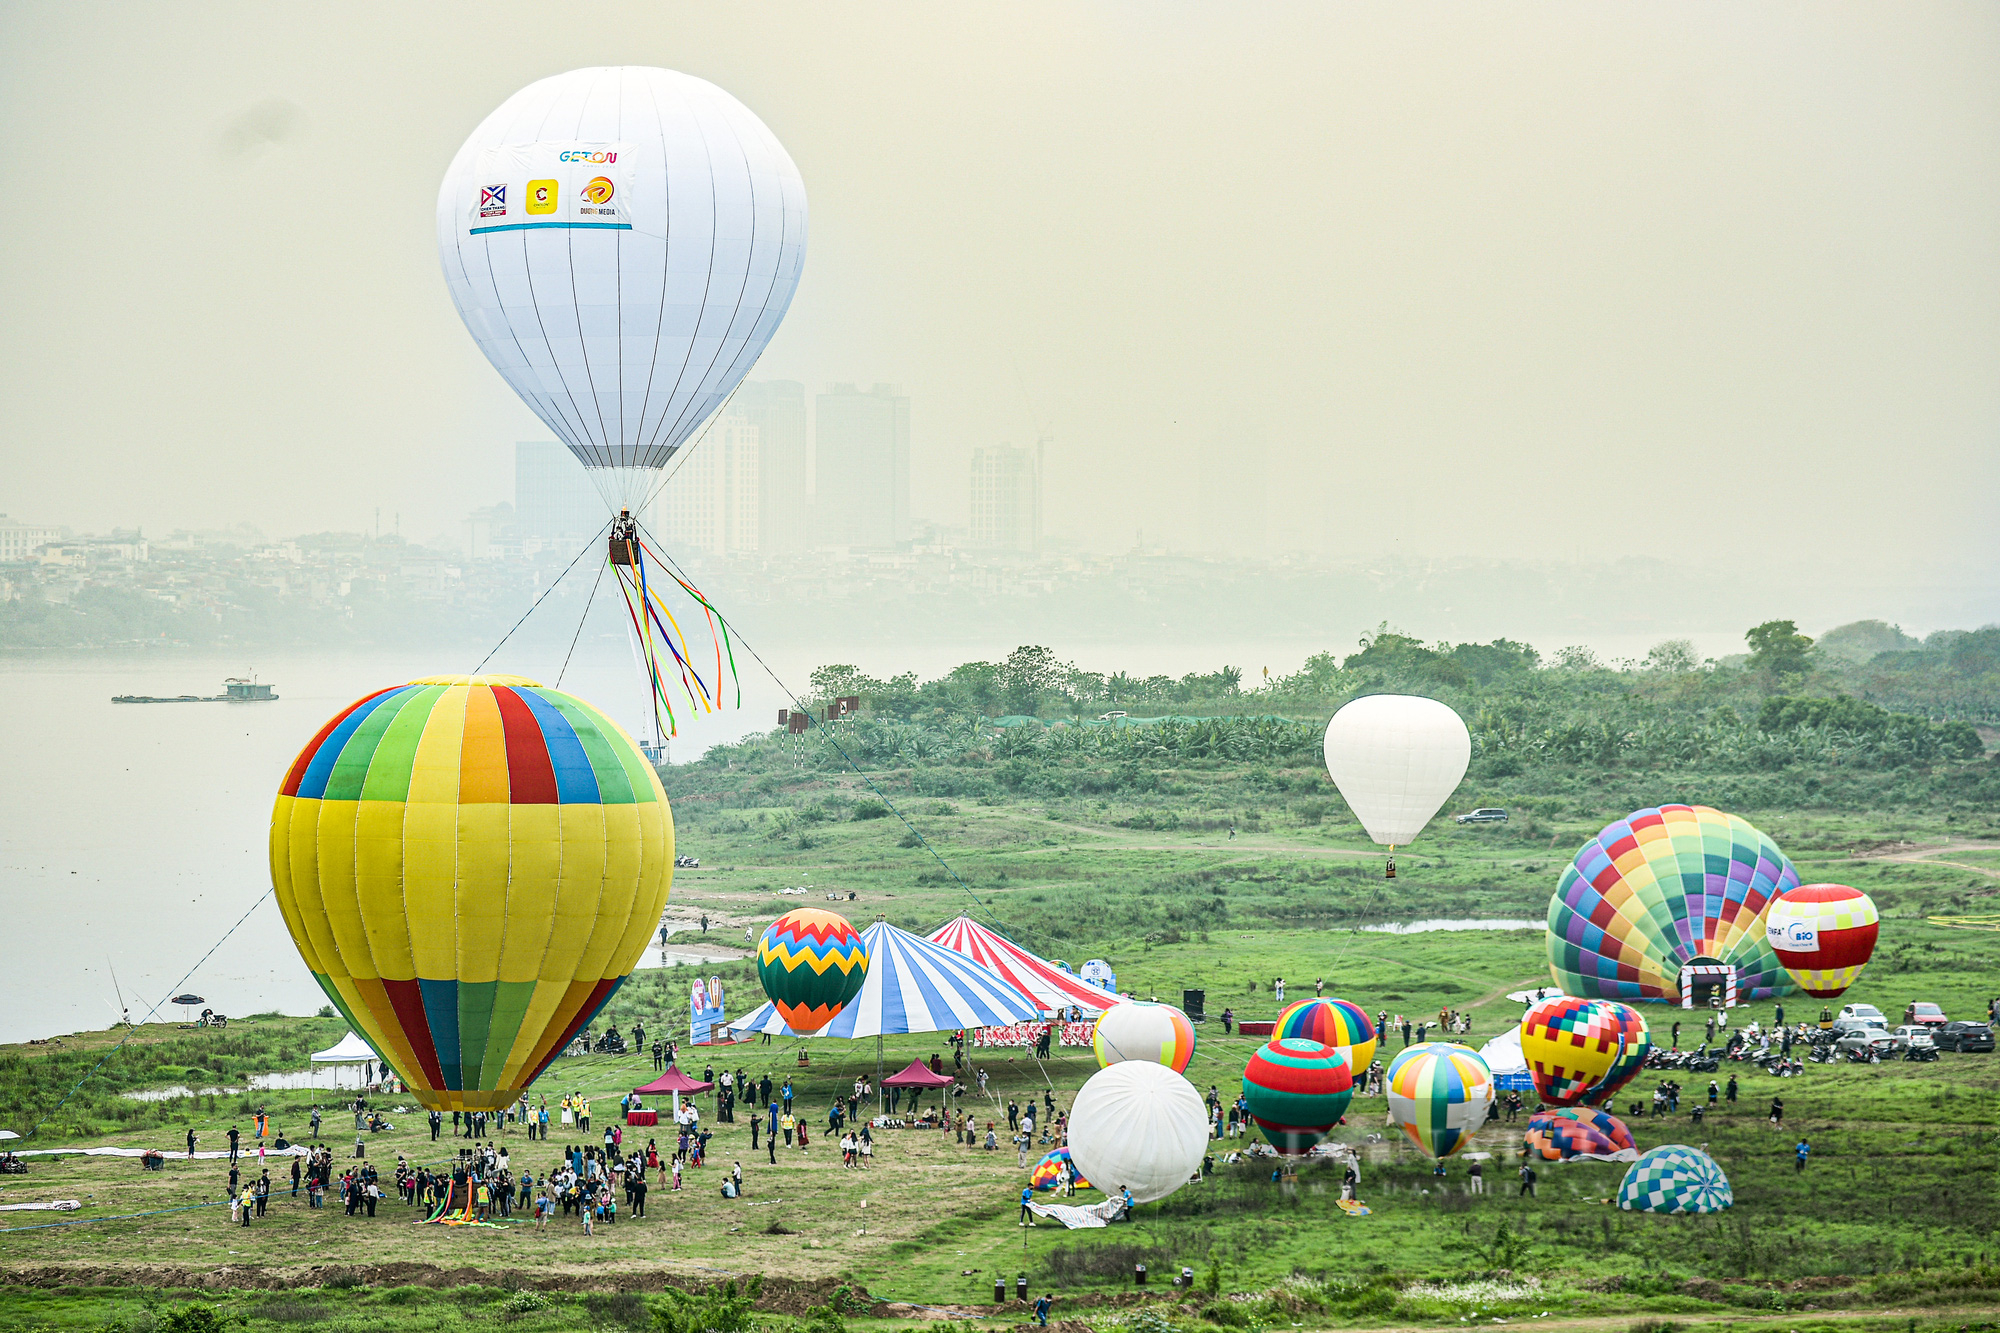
(1048, 985)
(912, 986)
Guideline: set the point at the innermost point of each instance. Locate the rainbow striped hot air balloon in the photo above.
(1669, 900)
(811, 963)
(1438, 1094)
(1143, 1030)
(471, 866)
(1297, 1091)
(1332, 1022)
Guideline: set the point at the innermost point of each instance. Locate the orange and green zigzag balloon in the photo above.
(811, 963)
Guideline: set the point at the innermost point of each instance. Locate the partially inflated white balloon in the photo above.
(1140, 1126)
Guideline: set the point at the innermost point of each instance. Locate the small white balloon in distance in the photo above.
(622, 243)
(1139, 1126)
(1396, 758)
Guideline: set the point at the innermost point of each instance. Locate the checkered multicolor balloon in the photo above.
(1674, 1178)
(1571, 1047)
(1047, 1173)
(1573, 1132)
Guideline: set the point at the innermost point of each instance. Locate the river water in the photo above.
(133, 836)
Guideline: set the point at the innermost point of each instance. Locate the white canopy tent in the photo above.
(349, 1052)
(1503, 1056)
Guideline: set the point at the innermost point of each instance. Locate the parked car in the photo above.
(1486, 814)
(1863, 1011)
(1113, 715)
(1866, 1039)
(1913, 1035)
(1965, 1037)
(1929, 1015)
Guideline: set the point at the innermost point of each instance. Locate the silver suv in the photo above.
(1913, 1035)
(1487, 814)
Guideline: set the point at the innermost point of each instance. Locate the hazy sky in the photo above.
(1696, 281)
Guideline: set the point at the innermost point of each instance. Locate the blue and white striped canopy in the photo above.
(912, 986)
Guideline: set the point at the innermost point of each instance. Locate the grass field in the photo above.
(1897, 1212)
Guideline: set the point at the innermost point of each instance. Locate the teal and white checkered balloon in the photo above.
(1674, 1178)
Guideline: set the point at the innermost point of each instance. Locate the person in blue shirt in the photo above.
(1804, 1150)
(1027, 1196)
(1042, 1303)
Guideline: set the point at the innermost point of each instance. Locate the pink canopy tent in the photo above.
(918, 1075)
(1040, 980)
(675, 1082)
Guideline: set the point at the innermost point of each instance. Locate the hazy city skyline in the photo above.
(1554, 282)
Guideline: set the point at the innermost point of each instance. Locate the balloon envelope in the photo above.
(1571, 1047)
(1139, 1126)
(1144, 1030)
(1297, 1091)
(1635, 1043)
(471, 866)
(1664, 889)
(1047, 1173)
(1580, 1133)
(1396, 758)
(1674, 1178)
(811, 963)
(1824, 934)
(622, 243)
(1438, 1095)
(1338, 1023)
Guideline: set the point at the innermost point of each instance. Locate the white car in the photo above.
(1867, 1013)
(1914, 1035)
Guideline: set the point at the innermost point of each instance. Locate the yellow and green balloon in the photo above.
(471, 866)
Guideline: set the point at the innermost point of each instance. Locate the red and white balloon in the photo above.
(1824, 934)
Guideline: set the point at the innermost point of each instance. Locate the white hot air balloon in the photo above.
(1396, 758)
(622, 243)
(1140, 1126)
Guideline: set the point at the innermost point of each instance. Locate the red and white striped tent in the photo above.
(1037, 978)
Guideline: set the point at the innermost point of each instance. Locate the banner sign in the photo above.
(553, 186)
(704, 1011)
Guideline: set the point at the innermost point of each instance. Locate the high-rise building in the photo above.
(555, 503)
(19, 541)
(777, 408)
(1003, 498)
(710, 501)
(861, 466)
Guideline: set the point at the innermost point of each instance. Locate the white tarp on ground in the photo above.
(1074, 1217)
(350, 1050)
(53, 1205)
(171, 1154)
